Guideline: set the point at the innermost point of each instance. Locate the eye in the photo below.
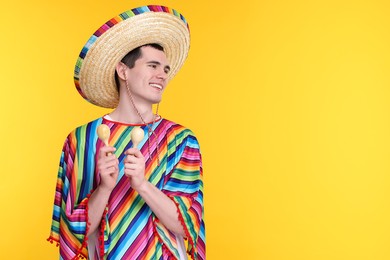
(154, 66)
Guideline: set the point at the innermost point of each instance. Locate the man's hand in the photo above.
(135, 168)
(108, 168)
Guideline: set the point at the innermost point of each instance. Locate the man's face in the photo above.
(148, 78)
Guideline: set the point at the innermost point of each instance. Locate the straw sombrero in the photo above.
(95, 68)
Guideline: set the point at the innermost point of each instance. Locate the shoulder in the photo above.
(179, 134)
(82, 135)
(85, 130)
(175, 129)
(89, 125)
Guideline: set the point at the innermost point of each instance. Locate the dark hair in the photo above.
(131, 57)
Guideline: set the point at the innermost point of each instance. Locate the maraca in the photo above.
(103, 132)
(137, 134)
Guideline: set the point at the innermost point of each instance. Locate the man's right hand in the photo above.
(108, 167)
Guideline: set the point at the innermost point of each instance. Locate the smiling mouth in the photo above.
(154, 85)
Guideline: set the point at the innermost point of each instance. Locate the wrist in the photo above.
(103, 190)
(143, 187)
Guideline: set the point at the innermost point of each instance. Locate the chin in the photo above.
(156, 101)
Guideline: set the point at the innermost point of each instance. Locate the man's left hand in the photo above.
(135, 168)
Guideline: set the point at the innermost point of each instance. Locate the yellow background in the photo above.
(289, 99)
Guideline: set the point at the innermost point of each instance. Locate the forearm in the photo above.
(162, 206)
(96, 206)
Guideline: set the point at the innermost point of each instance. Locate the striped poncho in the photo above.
(129, 229)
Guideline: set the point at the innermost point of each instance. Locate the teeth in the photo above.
(156, 85)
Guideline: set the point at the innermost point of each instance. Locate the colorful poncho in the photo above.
(129, 229)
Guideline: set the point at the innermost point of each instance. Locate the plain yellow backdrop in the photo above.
(289, 99)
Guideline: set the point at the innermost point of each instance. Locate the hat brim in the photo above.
(95, 68)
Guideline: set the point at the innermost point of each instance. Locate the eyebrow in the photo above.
(158, 63)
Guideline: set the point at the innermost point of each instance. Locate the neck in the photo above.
(126, 113)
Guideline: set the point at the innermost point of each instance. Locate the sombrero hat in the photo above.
(95, 67)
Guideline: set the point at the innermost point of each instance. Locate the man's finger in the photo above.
(135, 152)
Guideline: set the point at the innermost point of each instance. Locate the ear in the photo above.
(120, 70)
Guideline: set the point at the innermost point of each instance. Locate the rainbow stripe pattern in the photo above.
(112, 22)
(129, 229)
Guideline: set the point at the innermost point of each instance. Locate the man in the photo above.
(118, 201)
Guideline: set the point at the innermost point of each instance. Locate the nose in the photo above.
(162, 74)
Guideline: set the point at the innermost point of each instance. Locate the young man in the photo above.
(119, 201)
